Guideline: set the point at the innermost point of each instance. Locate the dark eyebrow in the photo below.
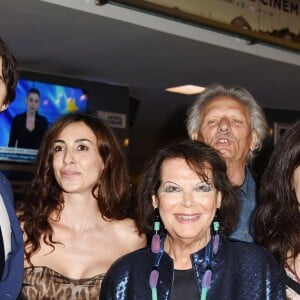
(170, 181)
(83, 140)
(59, 141)
(76, 141)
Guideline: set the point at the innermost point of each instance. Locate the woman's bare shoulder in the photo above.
(127, 232)
(125, 226)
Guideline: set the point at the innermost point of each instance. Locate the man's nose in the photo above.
(224, 124)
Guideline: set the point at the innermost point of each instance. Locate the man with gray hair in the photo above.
(231, 121)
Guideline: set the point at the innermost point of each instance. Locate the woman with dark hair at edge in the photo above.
(277, 219)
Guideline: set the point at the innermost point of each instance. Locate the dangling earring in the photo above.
(155, 243)
(216, 227)
(210, 250)
(156, 248)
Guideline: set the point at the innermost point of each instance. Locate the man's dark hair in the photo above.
(34, 91)
(9, 72)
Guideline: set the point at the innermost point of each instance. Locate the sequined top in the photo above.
(240, 270)
(44, 283)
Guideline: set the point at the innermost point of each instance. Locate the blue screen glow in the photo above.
(55, 100)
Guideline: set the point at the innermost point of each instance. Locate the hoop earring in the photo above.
(155, 243)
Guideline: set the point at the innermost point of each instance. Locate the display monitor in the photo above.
(54, 100)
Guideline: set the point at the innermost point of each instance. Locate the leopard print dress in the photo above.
(45, 283)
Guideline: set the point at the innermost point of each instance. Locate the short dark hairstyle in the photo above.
(196, 154)
(33, 91)
(9, 71)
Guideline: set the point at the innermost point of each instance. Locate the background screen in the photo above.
(55, 100)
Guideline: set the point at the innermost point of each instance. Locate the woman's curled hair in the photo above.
(44, 196)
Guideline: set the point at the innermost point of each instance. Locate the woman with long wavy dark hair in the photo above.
(76, 212)
(277, 219)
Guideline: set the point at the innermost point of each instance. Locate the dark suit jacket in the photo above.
(11, 282)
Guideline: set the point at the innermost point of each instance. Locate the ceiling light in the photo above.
(126, 142)
(187, 89)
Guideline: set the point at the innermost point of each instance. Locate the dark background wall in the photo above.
(101, 96)
(149, 123)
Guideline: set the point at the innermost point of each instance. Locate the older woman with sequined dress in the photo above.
(186, 193)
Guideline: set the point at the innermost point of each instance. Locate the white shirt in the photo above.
(5, 227)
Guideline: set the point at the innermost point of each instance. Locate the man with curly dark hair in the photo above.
(11, 241)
